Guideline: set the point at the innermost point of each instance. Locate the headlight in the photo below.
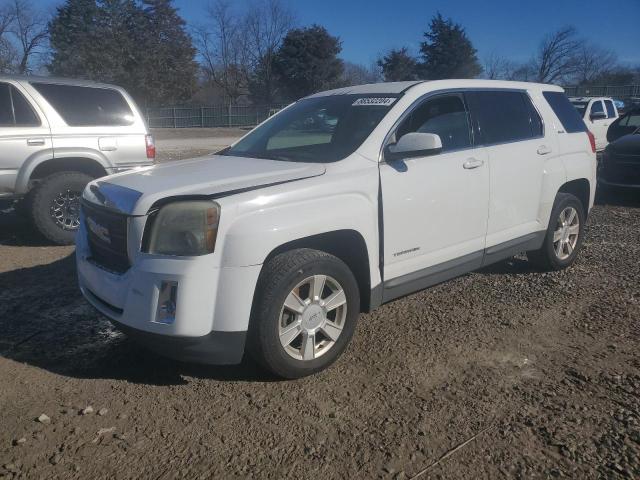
(187, 228)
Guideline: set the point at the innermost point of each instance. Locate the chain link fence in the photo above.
(210, 116)
(615, 91)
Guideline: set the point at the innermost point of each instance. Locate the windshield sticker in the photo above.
(374, 101)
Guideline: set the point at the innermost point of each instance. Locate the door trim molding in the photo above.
(430, 276)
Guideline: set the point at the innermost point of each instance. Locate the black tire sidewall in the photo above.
(40, 204)
(265, 322)
(563, 201)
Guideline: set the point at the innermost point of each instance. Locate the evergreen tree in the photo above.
(398, 65)
(308, 62)
(169, 60)
(141, 47)
(447, 52)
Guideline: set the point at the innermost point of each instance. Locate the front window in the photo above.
(320, 129)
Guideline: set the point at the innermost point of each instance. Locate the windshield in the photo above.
(320, 129)
(580, 107)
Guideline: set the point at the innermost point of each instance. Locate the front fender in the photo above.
(250, 237)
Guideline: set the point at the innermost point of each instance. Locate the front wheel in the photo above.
(55, 206)
(564, 236)
(304, 314)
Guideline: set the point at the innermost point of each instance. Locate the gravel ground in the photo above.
(502, 373)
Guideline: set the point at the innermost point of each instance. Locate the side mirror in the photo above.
(413, 145)
(597, 116)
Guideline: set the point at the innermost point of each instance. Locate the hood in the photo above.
(135, 191)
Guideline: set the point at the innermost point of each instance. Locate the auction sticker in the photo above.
(374, 101)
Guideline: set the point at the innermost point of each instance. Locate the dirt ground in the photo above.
(502, 373)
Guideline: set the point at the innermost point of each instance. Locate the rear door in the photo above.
(434, 207)
(24, 134)
(510, 128)
(95, 118)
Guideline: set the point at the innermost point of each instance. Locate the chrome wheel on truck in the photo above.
(65, 209)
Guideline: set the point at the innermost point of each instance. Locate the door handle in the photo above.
(33, 142)
(543, 150)
(472, 163)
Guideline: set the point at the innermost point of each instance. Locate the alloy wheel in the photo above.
(565, 236)
(312, 317)
(65, 210)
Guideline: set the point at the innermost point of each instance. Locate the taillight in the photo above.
(592, 141)
(151, 147)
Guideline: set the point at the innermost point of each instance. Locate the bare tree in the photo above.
(30, 30)
(8, 52)
(593, 62)
(497, 67)
(557, 56)
(222, 44)
(357, 74)
(267, 22)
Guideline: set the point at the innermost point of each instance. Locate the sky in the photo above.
(509, 28)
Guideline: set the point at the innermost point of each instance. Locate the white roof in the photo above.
(395, 88)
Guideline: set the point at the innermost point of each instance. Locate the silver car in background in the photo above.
(56, 135)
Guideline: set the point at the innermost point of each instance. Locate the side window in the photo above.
(6, 110)
(24, 114)
(504, 116)
(633, 120)
(565, 111)
(611, 112)
(535, 121)
(596, 107)
(87, 106)
(15, 109)
(445, 116)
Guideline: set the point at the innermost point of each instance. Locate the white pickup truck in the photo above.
(598, 113)
(340, 202)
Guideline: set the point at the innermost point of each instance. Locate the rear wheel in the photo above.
(305, 313)
(564, 235)
(54, 205)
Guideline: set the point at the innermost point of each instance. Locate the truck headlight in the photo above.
(185, 228)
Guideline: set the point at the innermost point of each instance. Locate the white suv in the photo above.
(342, 201)
(56, 135)
(598, 113)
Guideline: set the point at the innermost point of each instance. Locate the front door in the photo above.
(434, 207)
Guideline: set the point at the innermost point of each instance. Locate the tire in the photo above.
(552, 255)
(271, 318)
(54, 206)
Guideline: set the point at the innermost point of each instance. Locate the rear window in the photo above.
(565, 112)
(87, 106)
(15, 111)
(505, 116)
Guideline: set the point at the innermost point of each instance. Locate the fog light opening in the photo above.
(167, 303)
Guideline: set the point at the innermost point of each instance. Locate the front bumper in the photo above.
(216, 348)
(213, 304)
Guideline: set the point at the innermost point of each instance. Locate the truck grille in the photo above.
(107, 237)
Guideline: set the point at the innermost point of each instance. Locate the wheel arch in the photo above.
(580, 188)
(39, 167)
(347, 245)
